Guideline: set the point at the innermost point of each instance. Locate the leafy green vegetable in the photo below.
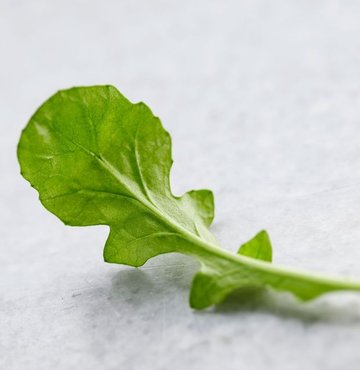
(97, 159)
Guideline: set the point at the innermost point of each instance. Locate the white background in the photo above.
(262, 99)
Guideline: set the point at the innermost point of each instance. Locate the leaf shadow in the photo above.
(155, 282)
(335, 308)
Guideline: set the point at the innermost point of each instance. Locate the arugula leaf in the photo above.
(97, 159)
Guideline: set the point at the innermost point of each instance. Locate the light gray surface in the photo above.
(262, 99)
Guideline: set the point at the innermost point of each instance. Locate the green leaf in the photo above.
(97, 159)
(259, 247)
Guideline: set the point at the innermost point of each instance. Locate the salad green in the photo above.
(97, 159)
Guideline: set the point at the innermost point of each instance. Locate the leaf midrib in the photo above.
(212, 249)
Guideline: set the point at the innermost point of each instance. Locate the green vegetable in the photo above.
(97, 159)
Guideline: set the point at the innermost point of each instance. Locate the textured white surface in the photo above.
(262, 99)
